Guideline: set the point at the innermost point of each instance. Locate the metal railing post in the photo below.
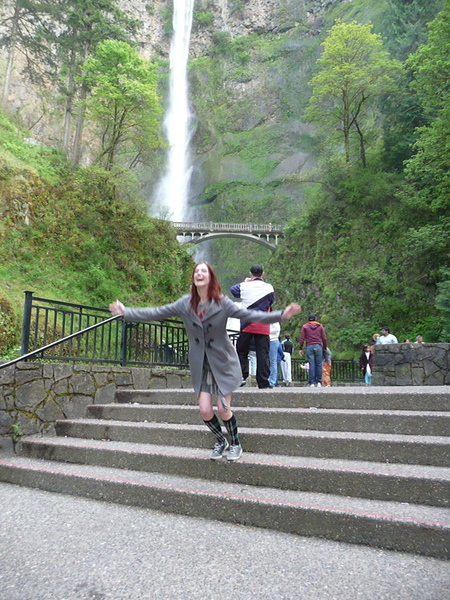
(123, 345)
(26, 324)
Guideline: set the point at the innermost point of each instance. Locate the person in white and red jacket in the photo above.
(255, 294)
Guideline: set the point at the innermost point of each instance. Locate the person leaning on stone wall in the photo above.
(386, 337)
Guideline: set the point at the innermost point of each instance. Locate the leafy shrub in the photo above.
(205, 18)
(221, 42)
(8, 325)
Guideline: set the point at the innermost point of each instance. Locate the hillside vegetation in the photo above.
(360, 186)
(75, 235)
(367, 232)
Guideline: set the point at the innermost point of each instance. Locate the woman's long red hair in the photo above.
(214, 289)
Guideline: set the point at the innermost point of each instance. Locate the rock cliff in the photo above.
(248, 98)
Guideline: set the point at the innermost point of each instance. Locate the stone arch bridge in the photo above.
(195, 233)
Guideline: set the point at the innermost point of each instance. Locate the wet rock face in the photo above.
(238, 17)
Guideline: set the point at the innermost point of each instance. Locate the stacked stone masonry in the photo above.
(411, 364)
(35, 395)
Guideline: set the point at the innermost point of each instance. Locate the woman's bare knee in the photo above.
(205, 406)
(224, 411)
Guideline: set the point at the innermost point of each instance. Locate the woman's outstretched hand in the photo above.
(117, 308)
(290, 311)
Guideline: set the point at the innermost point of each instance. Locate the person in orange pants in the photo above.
(326, 368)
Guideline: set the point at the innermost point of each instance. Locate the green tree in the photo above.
(404, 28)
(404, 25)
(81, 25)
(354, 72)
(123, 101)
(428, 170)
(56, 37)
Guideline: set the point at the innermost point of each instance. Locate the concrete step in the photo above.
(378, 481)
(392, 525)
(436, 398)
(378, 447)
(429, 423)
(361, 465)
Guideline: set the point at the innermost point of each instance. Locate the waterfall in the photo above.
(172, 190)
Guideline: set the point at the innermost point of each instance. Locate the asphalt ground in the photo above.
(59, 547)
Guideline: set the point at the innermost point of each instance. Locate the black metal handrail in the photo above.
(40, 351)
(84, 334)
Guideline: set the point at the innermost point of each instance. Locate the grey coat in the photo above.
(208, 336)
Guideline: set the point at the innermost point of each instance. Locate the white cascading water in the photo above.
(172, 191)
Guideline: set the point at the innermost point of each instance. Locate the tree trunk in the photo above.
(68, 115)
(346, 127)
(76, 150)
(69, 105)
(362, 149)
(10, 61)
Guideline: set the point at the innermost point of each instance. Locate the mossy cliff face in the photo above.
(250, 61)
(237, 17)
(249, 94)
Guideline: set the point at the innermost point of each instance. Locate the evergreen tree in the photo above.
(57, 37)
(82, 25)
(404, 28)
(25, 23)
(404, 25)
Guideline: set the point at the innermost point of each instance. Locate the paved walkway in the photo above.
(57, 547)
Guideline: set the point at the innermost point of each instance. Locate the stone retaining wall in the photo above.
(411, 364)
(34, 395)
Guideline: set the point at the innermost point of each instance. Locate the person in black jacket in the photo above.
(286, 368)
(366, 364)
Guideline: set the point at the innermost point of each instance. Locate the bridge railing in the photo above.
(56, 331)
(242, 227)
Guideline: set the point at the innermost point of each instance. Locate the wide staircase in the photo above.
(358, 465)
